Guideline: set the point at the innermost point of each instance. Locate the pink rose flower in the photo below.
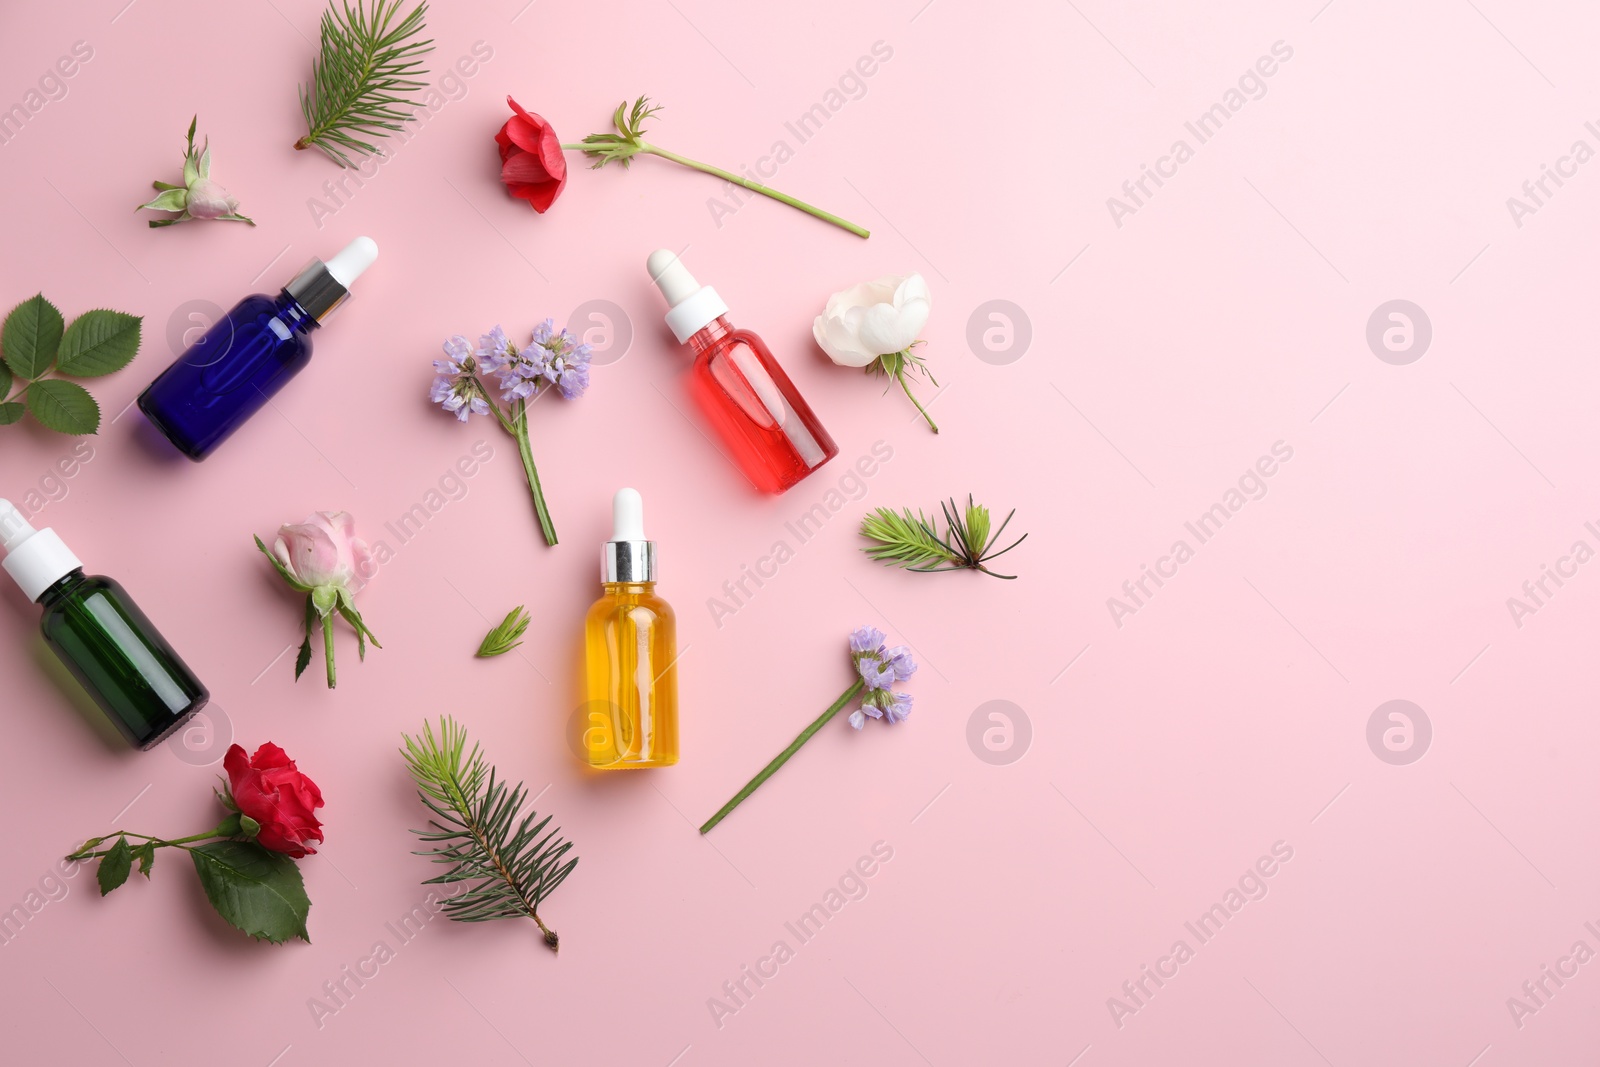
(208, 200)
(324, 551)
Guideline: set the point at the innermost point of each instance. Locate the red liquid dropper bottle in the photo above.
(763, 421)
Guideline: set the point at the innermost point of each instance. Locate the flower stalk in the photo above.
(877, 669)
(783, 757)
(554, 359)
(229, 827)
(628, 141)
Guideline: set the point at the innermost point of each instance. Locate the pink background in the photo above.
(1167, 354)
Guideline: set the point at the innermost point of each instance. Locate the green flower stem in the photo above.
(645, 147)
(783, 757)
(900, 376)
(227, 828)
(525, 450)
(517, 427)
(327, 648)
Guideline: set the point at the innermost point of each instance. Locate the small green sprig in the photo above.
(628, 141)
(480, 829)
(36, 342)
(365, 82)
(506, 636)
(912, 542)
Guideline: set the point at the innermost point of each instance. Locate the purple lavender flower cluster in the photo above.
(880, 668)
(555, 357)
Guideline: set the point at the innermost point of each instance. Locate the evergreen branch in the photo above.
(904, 540)
(507, 635)
(480, 829)
(913, 542)
(364, 84)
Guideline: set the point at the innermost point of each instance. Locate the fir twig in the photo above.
(481, 831)
(364, 83)
(901, 539)
(507, 635)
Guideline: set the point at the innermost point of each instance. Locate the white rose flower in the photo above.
(875, 325)
(873, 319)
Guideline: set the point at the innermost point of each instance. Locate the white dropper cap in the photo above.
(353, 260)
(627, 516)
(322, 288)
(693, 305)
(35, 559)
(628, 556)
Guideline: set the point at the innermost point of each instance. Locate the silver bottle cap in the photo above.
(628, 561)
(317, 291)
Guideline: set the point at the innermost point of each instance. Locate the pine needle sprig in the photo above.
(364, 84)
(507, 635)
(912, 542)
(481, 830)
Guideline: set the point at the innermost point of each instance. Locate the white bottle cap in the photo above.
(35, 559)
(353, 261)
(627, 516)
(693, 305)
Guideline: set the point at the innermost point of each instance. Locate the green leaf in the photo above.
(146, 855)
(64, 407)
(99, 342)
(169, 200)
(10, 412)
(256, 890)
(30, 337)
(347, 608)
(5, 380)
(507, 635)
(114, 866)
(283, 572)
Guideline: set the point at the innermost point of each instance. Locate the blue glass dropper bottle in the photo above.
(249, 354)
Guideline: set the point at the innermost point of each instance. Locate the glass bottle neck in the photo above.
(292, 315)
(59, 588)
(628, 588)
(708, 335)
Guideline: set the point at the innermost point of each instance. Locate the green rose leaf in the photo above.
(5, 380)
(99, 342)
(169, 200)
(114, 866)
(255, 890)
(64, 407)
(146, 855)
(10, 413)
(30, 337)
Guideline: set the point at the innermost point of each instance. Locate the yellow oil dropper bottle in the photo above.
(631, 652)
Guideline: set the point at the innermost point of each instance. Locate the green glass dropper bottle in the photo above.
(101, 636)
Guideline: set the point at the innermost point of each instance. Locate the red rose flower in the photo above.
(269, 789)
(532, 165)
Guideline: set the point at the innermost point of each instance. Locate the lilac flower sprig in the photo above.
(554, 360)
(877, 669)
